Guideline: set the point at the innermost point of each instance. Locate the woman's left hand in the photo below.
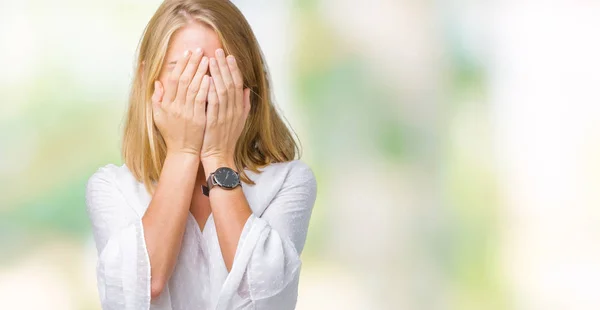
(227, 110)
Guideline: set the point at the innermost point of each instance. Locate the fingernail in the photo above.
(213, 61)
(204, 60)
(198, 50)
(231, 59)
(220, 52)
(186, 53)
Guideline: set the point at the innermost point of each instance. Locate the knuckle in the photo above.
(173, 79)
(184, 80)
(193, 89)
(222, 92)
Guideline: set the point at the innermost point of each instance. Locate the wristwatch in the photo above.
(224, 177)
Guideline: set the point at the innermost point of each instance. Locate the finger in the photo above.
(194, 87)
(219, 87)
(186, 77)
(212, 112)
(227, 79)
(201, 97)
(173, 80)
(238, 81)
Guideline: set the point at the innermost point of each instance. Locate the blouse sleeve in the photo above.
(123, 269)
(267, 259)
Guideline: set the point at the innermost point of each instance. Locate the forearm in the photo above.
(164, 220)
(230, 211)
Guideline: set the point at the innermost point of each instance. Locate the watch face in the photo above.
(226, 177)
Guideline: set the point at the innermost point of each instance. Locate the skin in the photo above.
(201, 117)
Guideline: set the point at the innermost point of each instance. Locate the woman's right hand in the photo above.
(179, 107)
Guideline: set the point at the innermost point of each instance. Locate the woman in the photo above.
(211, 208)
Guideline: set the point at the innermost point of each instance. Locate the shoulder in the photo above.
(109, 176)
(292, 179)
(286, 173)
(110, 185)
(108, 173)
(299, 173)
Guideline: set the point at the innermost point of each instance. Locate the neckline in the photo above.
(197, 225)
(189, 212)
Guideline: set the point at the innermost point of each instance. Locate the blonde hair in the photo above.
(265, 138)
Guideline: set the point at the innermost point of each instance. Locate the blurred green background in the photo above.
(455, 145)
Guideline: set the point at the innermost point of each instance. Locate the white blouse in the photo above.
(266, 265)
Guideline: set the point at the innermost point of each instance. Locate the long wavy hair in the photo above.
(265, 139)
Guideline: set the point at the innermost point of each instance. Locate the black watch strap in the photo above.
(205, 190)
(209, 185)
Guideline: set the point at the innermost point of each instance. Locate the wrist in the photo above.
(183, 156)
(181, 162)
(212, 164)
(182, 153)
